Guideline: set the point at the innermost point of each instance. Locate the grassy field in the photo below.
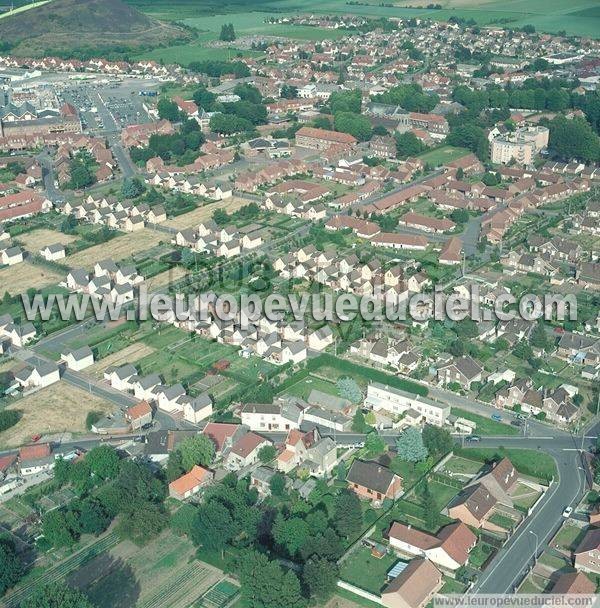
(486, 426)
(303, 388)
(442, 155)
(21, 277)
(54, 409)
(579, 17)
(527, 462)
(118, 248)
(38, 239)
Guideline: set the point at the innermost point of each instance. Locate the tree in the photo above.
(437, 440)
(472, 137)
(103, 461)
(539, 337)
(410, 446)
(320, 578)
(248, 92)
(266, 585)
(58, 529)
(11, 567)
(277, 484)
(354, 124)
(374, 444)
(56, 595)
(288, 91)
(348, 389)
(168, 110)
(348, 519)
(346, 101)
(430, 508)
(198, 449)
(132, 187)
(291, 533)
(175, 468)
(228, 124)
(9, 418)
(81, 177)
(214, 526)
(93, 519)
(408, 144)
(573, 139)
(267, 453)
(227, 32)
(142, 522)
(358, 422)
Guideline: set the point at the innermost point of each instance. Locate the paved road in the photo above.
(513, 561)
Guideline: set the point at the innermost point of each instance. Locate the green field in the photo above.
(444, 154)
(245, 24)
(526, 461)
(578, 17)
(486, 426)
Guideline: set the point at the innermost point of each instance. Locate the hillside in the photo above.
(74, 25)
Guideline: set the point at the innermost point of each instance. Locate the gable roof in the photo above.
(370, 474)
(190, 480)
(415, 583)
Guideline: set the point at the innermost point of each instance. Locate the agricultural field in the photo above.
(38, 239)
(579, 17)
(21, 277)
(119, 248)
(54, 409)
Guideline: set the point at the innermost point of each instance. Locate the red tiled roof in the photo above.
(34, 452)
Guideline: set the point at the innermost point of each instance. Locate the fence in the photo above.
(360, 592)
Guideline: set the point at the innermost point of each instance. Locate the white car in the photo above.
(567, 512)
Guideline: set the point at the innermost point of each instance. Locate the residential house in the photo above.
(463, 370)
(191, 483)
(139, 415)
(245, 451)
(449, 549)
(414, 587)
(34, 459)
(78, 359)
(371, 480)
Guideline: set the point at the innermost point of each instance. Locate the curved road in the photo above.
(513, 561)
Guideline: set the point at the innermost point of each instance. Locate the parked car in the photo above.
(567, 512)
(496, 417)
(473, 439)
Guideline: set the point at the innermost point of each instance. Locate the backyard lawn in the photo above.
(367, 572)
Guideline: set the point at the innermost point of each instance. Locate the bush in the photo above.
(9, 418)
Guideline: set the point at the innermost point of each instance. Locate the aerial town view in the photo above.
(299, 303)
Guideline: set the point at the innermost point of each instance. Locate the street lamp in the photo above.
(536, 546)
